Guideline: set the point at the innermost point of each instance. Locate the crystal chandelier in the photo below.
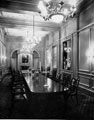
(32, 40)
(56, 10)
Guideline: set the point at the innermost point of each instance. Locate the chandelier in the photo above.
(56, 10)
(32, 39)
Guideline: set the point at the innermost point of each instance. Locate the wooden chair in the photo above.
(48, 71)
(54, 73)
(66, 81)
(58, 77)
(70, 88)
(73, 89)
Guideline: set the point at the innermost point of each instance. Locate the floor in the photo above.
(44, 105)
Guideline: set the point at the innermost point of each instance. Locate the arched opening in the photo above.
(21, 60)
(25, 61)
(14, 60)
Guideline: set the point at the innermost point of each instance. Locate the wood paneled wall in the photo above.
(3, 57)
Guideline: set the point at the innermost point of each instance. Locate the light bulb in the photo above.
(57, 18)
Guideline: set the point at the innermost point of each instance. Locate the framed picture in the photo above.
(67, 54)
(25, 58)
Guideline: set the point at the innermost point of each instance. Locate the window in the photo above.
(67, 55)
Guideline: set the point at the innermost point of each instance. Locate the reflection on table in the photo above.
(38, 82)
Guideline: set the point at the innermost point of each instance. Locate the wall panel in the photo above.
(83, 47)
(0, 52)
(75, 55)
(48, 58)
(92, 47)
(68, 28)
(54, 52)
(86, 17)
(56, 36)
(84, 81)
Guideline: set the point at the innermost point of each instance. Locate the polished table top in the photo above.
(39, 83)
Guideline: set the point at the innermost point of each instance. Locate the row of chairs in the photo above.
(18, 88)
(69, 85)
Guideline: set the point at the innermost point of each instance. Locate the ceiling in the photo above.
(17, 18)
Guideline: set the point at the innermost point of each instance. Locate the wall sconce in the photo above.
(90, 54)
(3, 57)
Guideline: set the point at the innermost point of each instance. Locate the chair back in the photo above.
(74, 85)
(48, 68)
(54, 72)
(58, 76)
(66, 80)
